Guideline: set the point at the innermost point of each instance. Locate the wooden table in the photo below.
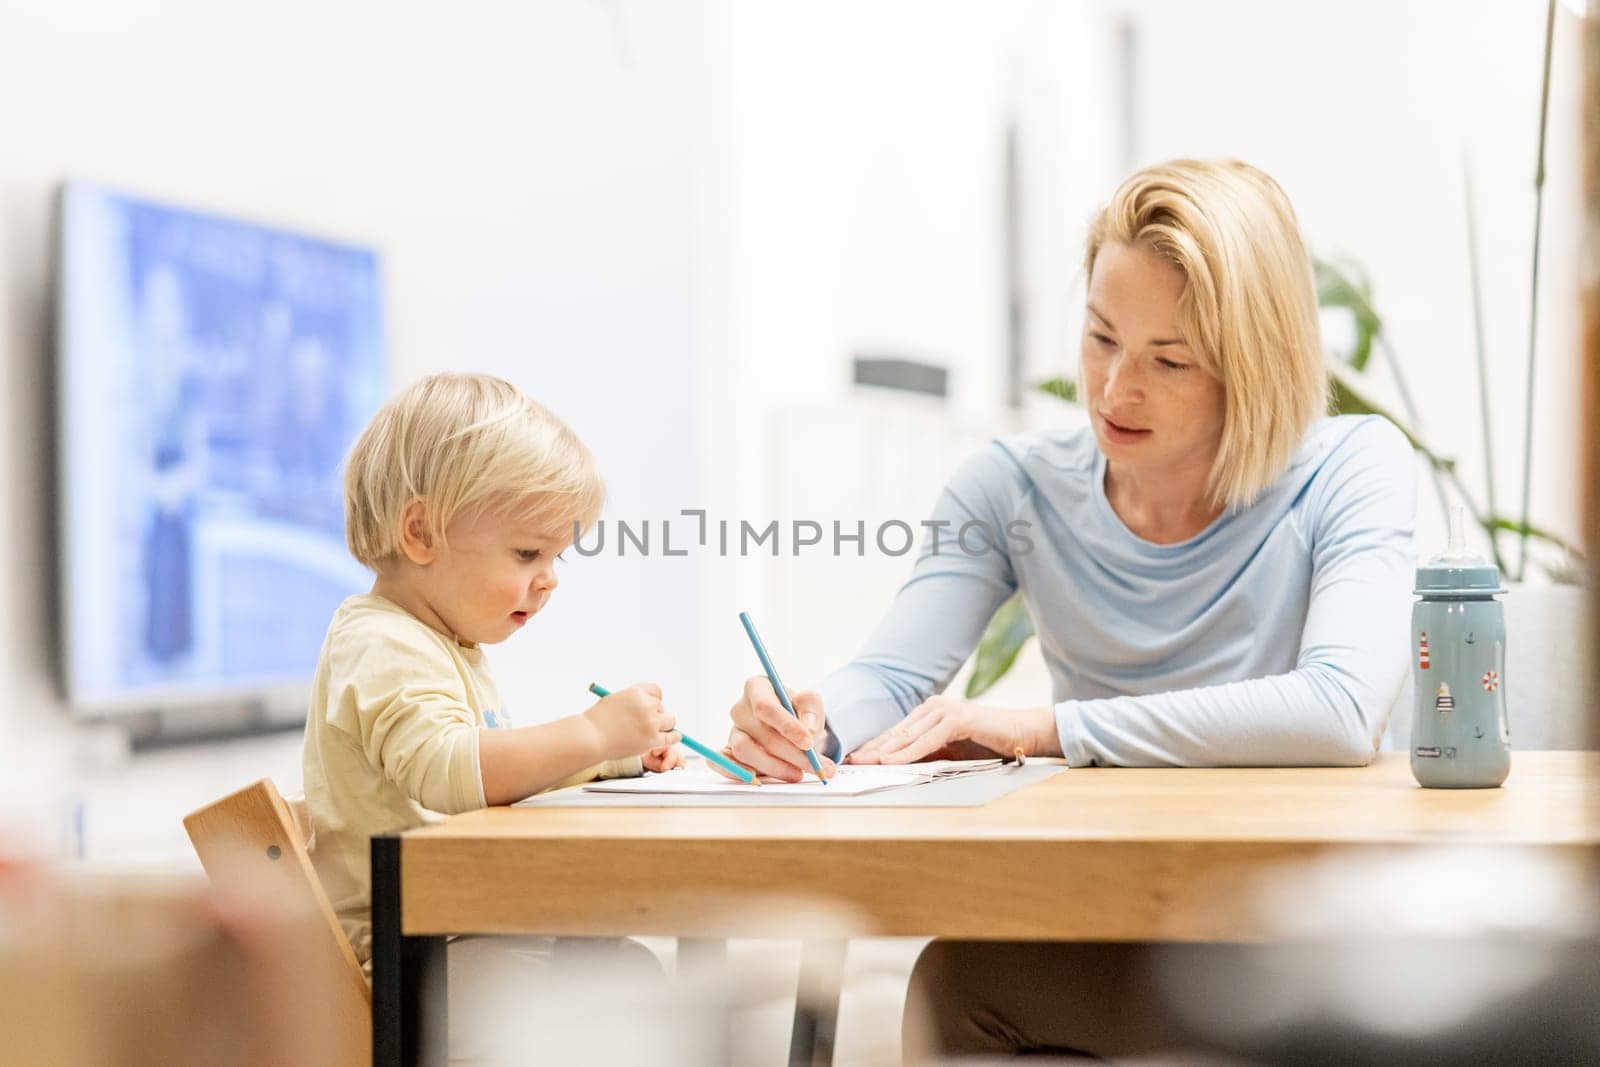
(1091, 854)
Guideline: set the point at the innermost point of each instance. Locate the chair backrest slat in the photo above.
(252, 844)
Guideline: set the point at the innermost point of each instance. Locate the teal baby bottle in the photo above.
(1459, 735)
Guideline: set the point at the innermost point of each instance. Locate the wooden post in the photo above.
(1590, 259)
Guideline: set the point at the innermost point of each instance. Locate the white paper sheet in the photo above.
(851, 781)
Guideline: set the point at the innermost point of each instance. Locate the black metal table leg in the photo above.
(409, 1007)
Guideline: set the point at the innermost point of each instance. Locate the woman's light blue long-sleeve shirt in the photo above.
(1276, 636)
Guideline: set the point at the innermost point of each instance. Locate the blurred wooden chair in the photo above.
(252, 844)
(106, 970)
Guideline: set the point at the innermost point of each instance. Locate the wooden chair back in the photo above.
(252, 844)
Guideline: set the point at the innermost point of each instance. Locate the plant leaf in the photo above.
(1007, 632)
(1345, 286)
(1348, 399)
(1500, 522)
(1061, 388)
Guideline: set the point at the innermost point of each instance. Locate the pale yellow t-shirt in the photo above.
(392, 743)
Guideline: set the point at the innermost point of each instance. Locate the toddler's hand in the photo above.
(631, 721)
(663, 759)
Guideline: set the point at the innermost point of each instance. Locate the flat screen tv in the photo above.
(211, 375)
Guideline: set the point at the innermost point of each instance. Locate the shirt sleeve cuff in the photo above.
(830, 743)
(856, 712)
(1070, 730)
(632, 767)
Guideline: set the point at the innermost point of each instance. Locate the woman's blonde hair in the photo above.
(462, 443)
(1248, 309)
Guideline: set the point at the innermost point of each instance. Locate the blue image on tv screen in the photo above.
(212, 376)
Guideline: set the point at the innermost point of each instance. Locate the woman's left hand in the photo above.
(946, 728)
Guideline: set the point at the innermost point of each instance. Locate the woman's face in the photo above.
(1153, 409)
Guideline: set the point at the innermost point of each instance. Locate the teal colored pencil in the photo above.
(777, 684)
(709, 753)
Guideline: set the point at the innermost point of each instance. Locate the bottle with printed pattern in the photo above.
(1459, 735)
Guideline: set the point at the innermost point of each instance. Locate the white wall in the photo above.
(859, 210)
(526, 172)
(1365, 111)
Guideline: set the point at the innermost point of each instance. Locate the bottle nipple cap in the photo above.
(1458, 569)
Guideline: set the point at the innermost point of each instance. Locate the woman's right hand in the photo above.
(631, 721)
(770, 741)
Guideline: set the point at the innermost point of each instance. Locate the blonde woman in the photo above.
(1218, 572)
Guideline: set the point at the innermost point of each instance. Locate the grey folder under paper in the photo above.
(967, 791)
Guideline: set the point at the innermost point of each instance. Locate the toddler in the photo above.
(461, 494)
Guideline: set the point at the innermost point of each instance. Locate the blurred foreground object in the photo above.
(127, 973)
(1440, 955)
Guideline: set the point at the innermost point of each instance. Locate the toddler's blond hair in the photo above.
(462, 443)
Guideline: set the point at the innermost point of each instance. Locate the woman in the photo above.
(1218, 573)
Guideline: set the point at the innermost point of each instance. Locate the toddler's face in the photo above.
(494, 574)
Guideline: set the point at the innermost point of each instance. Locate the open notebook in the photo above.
(852, 780)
